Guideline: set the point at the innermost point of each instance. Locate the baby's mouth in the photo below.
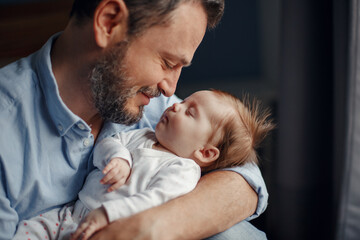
(164, 117)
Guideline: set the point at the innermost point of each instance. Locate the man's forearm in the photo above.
(220, 200)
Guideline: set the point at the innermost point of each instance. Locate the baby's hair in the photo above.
(238, 134)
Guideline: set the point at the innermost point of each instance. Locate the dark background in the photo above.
(292, 55)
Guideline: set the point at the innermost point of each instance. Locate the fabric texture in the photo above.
(56, 224)
(241, 231)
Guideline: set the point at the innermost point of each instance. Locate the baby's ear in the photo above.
(207, 155)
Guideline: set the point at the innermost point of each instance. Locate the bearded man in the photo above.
(95, 79)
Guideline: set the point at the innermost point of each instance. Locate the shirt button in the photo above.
(60, 127)
(81, 126)
(86, 142)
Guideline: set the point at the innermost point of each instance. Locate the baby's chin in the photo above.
(156, 130)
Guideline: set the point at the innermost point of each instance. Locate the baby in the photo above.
(208, 130)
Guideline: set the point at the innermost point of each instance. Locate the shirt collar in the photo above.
(61, 115)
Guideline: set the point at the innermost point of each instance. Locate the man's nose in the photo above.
(168, 85)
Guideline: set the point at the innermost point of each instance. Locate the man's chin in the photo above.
(134, 111)
(132, 116)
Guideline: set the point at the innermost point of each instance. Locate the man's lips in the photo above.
(148, 95)
(147, 98)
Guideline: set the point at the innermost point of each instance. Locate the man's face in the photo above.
(111, 87)
(130, 74)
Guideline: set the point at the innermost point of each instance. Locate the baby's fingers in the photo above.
(77, 234)
(111, 165)
(109, 177)
(117, 184)
(90, 230)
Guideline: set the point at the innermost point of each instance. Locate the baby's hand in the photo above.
(116, 173)
(93, 222)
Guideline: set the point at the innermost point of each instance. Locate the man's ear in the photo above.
(110, 22)
(207, 155)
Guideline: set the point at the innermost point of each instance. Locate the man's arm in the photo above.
(220, 200)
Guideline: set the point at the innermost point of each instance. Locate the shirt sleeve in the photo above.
(251, 173)
(8, 216)
(169, 182)
(109, 148)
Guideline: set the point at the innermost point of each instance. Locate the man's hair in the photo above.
(239, 134)
(146, 13)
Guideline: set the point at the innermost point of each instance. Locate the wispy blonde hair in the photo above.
(239, 134)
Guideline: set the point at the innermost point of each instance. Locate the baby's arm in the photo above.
(116, 173)
(114, 160)
(170, 182)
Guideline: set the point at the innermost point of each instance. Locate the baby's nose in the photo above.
(176, 107)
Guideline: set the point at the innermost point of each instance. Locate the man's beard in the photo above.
(111, 87)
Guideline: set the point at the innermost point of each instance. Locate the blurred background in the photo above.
(293, 55)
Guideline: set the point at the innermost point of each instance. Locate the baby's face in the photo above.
(186, 127)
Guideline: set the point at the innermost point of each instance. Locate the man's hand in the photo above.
(116, 173)
(93, 222)
(220, 200)
(124, 228)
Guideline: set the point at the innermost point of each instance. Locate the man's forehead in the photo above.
(179, 38)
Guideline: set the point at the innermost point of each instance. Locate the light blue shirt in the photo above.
(46, 150)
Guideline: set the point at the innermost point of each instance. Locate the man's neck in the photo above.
(71, 64)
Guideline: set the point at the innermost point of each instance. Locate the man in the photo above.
(112, 58)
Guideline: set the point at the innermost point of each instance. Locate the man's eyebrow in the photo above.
(182, 59)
